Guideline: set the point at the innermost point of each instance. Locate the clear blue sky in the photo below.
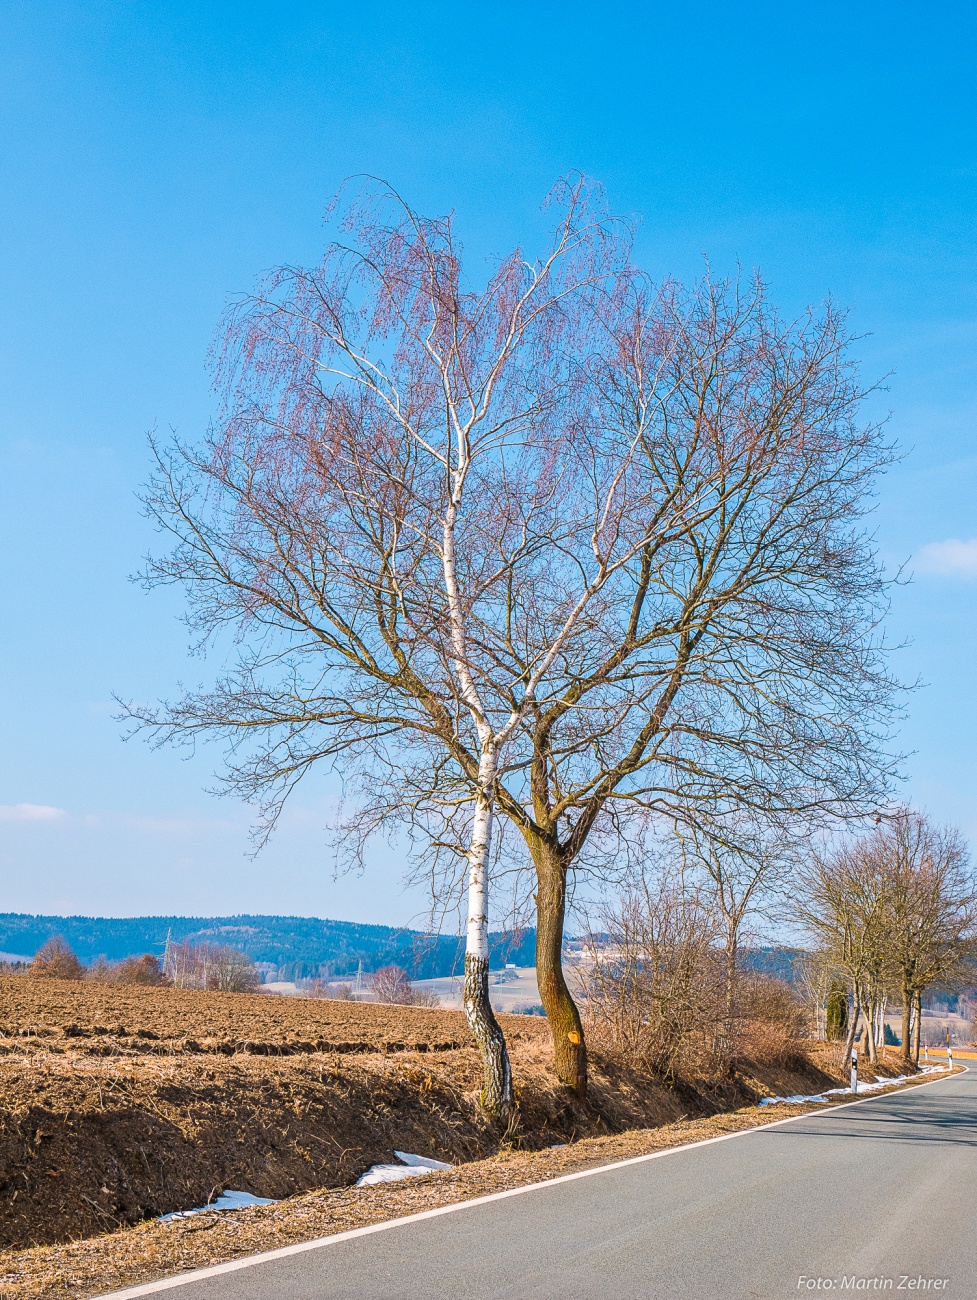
(154, 157)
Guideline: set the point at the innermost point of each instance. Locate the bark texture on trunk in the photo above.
(907, 1022)
(868, 1030)
(918, 1016)
(496, 1098)
(569, 1048)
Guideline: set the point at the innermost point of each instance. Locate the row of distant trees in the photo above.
(190, 966)
(887, 918)
(214, 967)
(893, 916)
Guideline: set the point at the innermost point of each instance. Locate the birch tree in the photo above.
(407, 514)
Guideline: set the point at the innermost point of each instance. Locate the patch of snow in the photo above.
(228, 1200)
(412, 1167)
(799, 1100)
(424, 1162)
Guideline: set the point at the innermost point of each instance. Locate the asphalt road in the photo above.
(885, 1189)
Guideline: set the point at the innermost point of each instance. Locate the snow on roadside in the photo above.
(412, 1167)
(799, 1099)
(228, 1200)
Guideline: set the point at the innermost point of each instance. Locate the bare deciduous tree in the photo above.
(570, 548)
(931, 910)
(213, 966)
(895, 911)
(736, 665)
(842, 903)
(56, 960)
(392, 984)
(743, 859)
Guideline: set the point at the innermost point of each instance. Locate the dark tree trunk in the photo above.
(569, 1048)
(853, 1022)
(496, 1098)
(907, 1020)
(868, 1012)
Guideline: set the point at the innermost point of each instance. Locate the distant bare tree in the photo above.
(743, 859)
(931, 911)
(56, 960)
(842, 902)
(212, 966)
(392, 984)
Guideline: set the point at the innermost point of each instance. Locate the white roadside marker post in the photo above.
(854, 1070)
(949, 1052)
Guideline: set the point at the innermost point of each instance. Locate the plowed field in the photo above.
(105, 1019)
(118, 1104)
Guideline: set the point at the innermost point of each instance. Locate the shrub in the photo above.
(773, 1022)
(318, 988)
(146, 969)
(889, 1036)
(653, 986)
(132, 970)
(55, 960)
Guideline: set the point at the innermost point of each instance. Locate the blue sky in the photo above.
(155, 157)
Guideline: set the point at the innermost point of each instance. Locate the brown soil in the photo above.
(120, 1104)
(112, 1020)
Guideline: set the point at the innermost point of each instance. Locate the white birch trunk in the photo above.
(497, 1097)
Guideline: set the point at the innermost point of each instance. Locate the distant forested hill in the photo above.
(300, 946)
(782, 963)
